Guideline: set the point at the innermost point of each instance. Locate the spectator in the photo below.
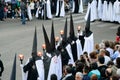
(53, 77)
(68, 73)
(9, 12)
(115, 77)
(118, 62)
(103, 53)
(5, 11)
(94, 70)
(118, 72)
(102, 67)
(113, 67)
(108, 48)
(112, 44)
(1, 12)
(116, 52)
(118, 35)
(97, 48)
(93, 57)
(108, 74)
(85, 73)
(78, 76)
(32, 7)
(79, 67)
(94, 77)
(23, 8)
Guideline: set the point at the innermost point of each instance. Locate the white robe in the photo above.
(79, 51)
(48, 8)
(71, 60)
(89, 44)
(79, 48)
(62, 9)
(105, 11)
(54, 67)
(24, 75)
(73, 8)
(93, 8)
(100, 9)
(88, 9)
(40, 69)
(94, 14)
(57, 11)
(110, 12)
(59, 65)
(37, 12)
(29, 13)
(80, 7)
(116, 8)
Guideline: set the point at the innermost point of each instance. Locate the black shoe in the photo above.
(57, 16)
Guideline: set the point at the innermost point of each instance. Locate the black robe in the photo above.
(44, 11)
(32, 70)
(53, 6)
(82, 40)
(64, 54)
(60, 6)
(76, 6)
(46, 62)
(73, 47)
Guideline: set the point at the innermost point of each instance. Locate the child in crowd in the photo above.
(9, 12)
(5, 11)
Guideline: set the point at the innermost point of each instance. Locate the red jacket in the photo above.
(117, 38)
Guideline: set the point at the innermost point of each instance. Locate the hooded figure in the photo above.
(46, 12)
(46, 59)
(60, 11)
(72, 47)
(30, 67)
(52, 58)
(56, 64)
(89, 40)
(62, 48)
(81, 36)
(88, 32)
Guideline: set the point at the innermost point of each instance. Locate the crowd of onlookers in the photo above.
(9, 10)
(12, 10)
(101, 64)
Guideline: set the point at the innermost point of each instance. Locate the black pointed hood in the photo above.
(65, 31)
(72, 34)
(34, 48)
(47, 43)
(87, 27)
(88, 32)
(52, 38)
(13, 73)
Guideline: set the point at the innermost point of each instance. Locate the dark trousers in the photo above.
(1, 13)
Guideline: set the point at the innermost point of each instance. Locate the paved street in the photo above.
(18, 38)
